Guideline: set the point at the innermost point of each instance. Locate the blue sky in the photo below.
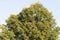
(8, 7)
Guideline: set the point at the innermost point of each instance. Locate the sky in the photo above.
(8, 7)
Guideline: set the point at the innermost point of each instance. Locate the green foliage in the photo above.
(5, 34)
(33, 23)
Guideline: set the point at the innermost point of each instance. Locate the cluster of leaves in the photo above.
(33, 23)
(5, 34)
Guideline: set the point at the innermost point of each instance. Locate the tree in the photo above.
(33, 23)
(5, 34)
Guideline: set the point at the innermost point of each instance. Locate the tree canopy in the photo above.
(33, 23)
(5, 34)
